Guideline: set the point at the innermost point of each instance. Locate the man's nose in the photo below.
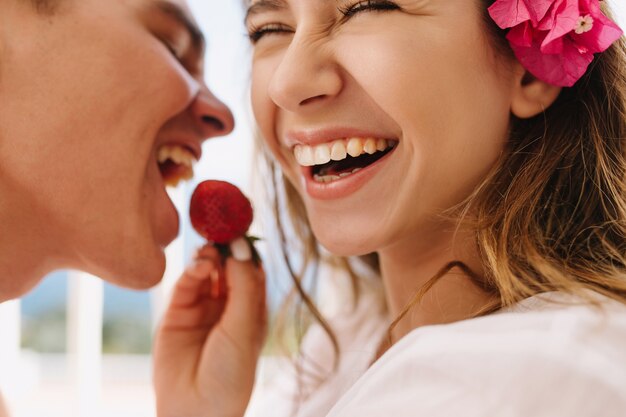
(212, 116)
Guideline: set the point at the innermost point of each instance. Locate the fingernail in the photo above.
(200, 268)
(240, 248)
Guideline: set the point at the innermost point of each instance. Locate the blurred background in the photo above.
(78, 347)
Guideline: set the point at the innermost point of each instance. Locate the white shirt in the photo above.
(546, 356)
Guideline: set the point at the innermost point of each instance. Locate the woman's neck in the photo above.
(407, 266)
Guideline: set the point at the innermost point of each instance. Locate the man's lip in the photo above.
(312, 137)
(192, 145)
(170, 224)
(173, 227)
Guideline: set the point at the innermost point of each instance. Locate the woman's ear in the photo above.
(531, 95)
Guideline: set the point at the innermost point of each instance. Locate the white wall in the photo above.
(619, 6)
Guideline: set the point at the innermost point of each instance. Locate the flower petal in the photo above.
(558, 69)
(521, 35)
(602, 35)
(508, 13)
(554, 47)
(537, 9)
(563, 20)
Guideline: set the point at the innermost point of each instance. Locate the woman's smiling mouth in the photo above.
(341, 158)
(337, 168)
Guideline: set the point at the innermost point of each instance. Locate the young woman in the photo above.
(473, 153)
(478, 150)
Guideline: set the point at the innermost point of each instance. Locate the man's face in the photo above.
(89, 97)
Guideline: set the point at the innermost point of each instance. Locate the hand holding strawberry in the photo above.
(209, 341)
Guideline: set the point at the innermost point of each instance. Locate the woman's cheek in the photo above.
(263, 108)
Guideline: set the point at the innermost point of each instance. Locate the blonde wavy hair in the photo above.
(551, 214)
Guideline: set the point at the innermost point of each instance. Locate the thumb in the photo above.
(245, 315)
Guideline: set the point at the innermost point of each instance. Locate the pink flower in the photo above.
(555, 39)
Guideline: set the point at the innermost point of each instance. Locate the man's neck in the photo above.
(26, 251)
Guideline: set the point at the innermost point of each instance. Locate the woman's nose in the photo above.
(212, 116)
(306, 74)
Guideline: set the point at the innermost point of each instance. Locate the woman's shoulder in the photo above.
(541, 325)
(557, 317)
(550, 355)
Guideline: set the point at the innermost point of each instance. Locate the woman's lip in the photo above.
(345, 186)
(319, 136)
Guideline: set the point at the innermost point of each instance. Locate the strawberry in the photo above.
(219, 211)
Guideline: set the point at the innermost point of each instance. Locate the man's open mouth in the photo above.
(343, 157)
(175, 164)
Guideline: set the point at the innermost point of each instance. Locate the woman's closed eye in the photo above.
(256, 33)
(355, 8)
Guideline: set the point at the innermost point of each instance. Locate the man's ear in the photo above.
(531, 95)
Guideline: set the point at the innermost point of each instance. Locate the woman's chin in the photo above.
(345, 248)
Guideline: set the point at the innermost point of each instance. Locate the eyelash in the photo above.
(256, 33)
(168, 45)
(172, 50)
(367, 5)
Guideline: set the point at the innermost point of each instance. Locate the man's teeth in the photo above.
(176, 154)
(182, 158)
(339, 150)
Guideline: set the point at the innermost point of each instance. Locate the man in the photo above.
(101, 104)
(91, 92)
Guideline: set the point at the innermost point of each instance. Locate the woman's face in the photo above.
(412, 88)
(97, 101)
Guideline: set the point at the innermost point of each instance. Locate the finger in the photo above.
(207, 251)
(191, 304)
(245, 312)
(188, 289)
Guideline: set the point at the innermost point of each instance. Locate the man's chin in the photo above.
(138, 276)
(13, 292)
(145, 280)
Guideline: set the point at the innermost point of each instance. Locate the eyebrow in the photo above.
(182, 17)
(264, 6)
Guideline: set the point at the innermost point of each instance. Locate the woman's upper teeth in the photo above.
(339, 150)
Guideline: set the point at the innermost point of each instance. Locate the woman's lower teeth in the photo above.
(334, 177)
